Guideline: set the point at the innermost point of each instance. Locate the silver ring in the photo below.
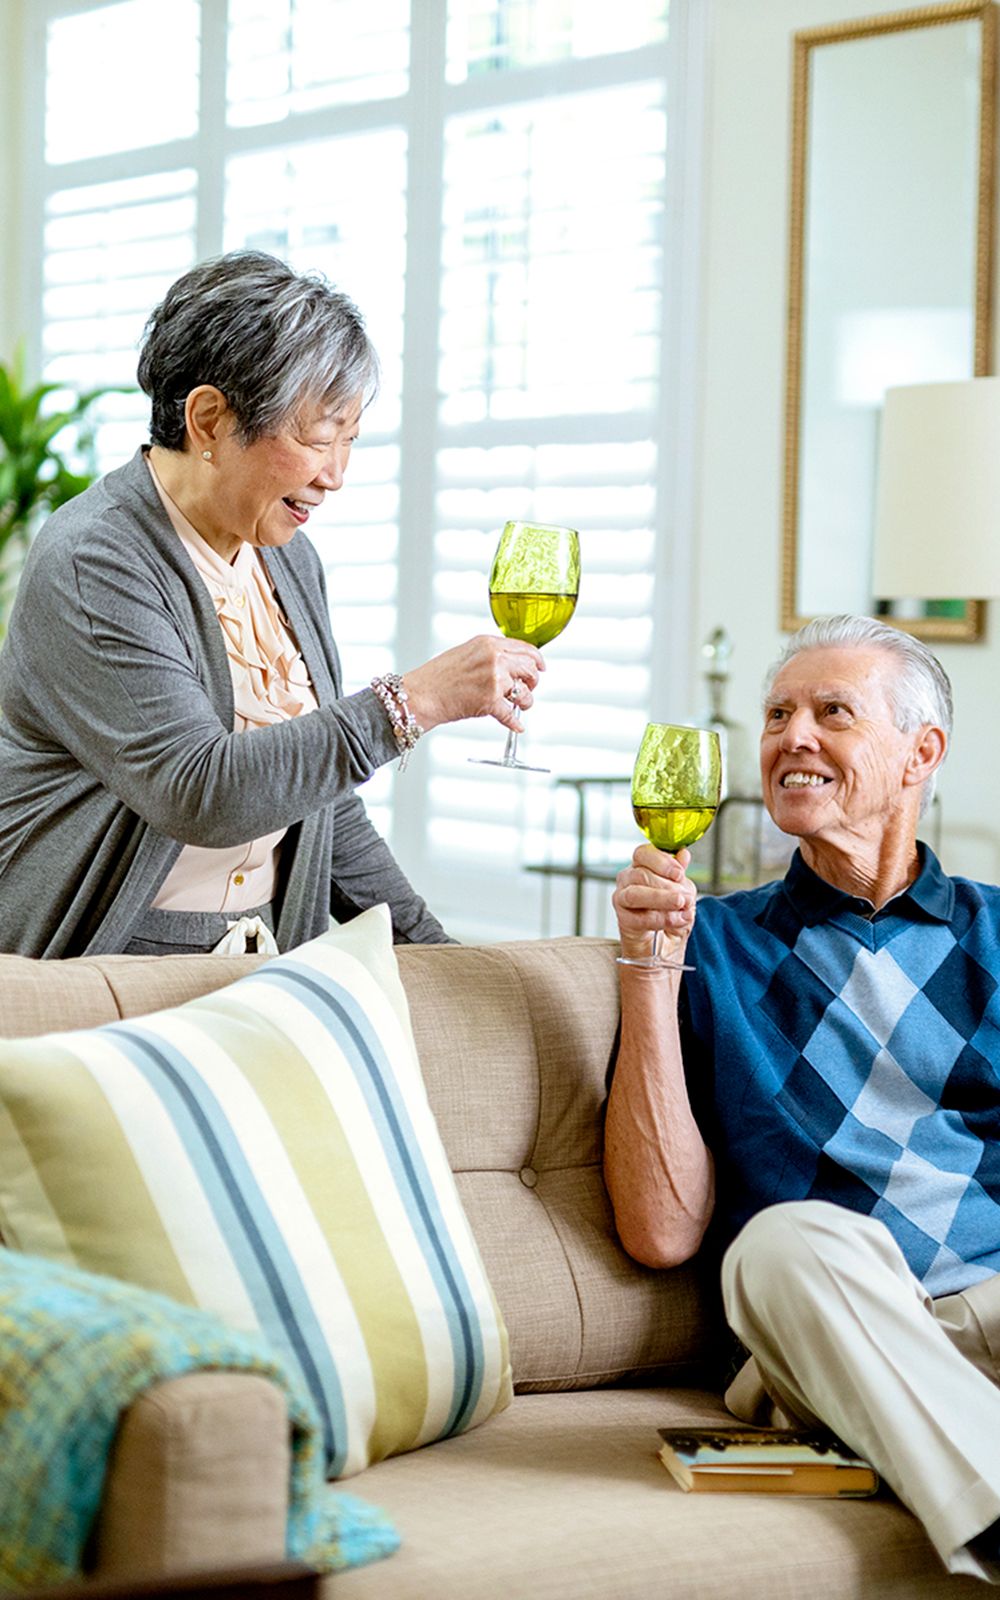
(515, 692)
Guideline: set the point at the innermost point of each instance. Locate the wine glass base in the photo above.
(516, 766)
(652, 961)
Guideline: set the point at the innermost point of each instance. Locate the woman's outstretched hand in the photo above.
(486, 677)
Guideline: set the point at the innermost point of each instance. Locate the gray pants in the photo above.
(178, 933)
(842, 1333)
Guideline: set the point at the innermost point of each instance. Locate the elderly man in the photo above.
(824, 1090)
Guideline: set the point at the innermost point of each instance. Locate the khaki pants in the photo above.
(842, 1333)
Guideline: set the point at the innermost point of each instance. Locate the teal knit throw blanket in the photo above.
(75, 1350)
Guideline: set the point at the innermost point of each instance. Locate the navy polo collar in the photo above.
(930, 895)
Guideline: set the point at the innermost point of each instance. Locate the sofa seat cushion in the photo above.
(268, 1153)
(563, 1497)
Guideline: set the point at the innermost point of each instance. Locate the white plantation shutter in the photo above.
(111, 250)
(488, 179)
(550, 331)
(550, 347)
(291, 56)
(591, 708)
(552, 256)
(497, 35)
(96, 103)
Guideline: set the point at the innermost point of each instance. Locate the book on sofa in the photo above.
(764, 1461)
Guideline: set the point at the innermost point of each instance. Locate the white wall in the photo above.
(741, 425)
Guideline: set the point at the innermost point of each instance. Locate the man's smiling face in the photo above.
(832, 760)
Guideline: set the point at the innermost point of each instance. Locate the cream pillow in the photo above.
(267, 1152)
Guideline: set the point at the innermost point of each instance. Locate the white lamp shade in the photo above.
(937, 509)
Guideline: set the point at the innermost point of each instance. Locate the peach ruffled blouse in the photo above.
(270, 684)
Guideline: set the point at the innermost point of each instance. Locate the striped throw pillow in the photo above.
(267, 1152)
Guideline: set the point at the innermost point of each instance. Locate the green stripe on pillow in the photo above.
(79, 1210)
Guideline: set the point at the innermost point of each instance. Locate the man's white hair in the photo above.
(919, 692)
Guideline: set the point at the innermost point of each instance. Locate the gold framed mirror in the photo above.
(890, 271)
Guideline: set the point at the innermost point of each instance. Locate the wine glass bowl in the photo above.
(676, 784)
(676, 787)
(534, 584)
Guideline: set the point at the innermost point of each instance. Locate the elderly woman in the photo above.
(177, 758)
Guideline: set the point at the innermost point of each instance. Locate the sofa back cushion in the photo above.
(514, 1042)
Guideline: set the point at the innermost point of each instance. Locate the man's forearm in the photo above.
(657, 1168)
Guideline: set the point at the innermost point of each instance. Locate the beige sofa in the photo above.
(562, 1494)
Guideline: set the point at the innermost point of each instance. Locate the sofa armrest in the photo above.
(198, 1478)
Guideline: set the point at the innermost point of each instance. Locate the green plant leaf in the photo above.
(54, 423)
(35, 472)
(9, 410)
(31, 401)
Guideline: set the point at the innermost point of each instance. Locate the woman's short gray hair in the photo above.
(920, 691)
(272, 340)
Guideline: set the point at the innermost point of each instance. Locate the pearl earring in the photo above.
(206, 455)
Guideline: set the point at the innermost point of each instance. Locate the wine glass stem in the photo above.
(510, 749)
(656, 944)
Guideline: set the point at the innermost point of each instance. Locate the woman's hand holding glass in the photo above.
(484, 677)
(534, 585)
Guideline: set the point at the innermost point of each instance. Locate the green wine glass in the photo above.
(534, 585)
(676, 786)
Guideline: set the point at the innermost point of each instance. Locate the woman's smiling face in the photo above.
(262, 493)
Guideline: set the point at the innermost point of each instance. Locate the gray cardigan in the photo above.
(117, 743)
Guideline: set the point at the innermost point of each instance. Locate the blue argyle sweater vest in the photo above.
(838, 1055)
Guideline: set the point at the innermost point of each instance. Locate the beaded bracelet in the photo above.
(407, 730)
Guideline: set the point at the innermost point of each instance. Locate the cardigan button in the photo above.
(528, 1176)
